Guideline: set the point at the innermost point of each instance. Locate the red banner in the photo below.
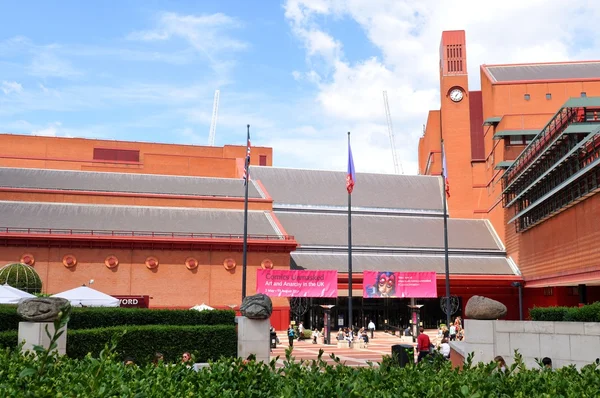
(134, 301)
(399, 284)
(283, 283)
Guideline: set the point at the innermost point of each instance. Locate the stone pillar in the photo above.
(34, 333)
(253, 338)
(253, 327)
(39, 314)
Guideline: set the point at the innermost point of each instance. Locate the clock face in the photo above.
(456, 95)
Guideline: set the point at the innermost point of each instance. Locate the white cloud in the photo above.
(47, 64)
(11, 87)
(408, 34)
(205, 33)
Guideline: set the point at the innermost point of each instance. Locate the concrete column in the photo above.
(34, 333)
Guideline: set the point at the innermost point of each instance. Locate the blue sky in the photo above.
(301, 72)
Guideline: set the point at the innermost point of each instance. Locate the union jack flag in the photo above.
(247, 160)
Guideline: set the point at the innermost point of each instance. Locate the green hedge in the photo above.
(587, 313)
(88, 318)
(23, 376)
(206, 342)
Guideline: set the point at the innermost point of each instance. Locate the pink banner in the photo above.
(399, 284)
(282, 283)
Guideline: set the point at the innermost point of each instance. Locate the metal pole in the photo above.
(245, 250)
(520, 301)
(446, 260)
(349, 254)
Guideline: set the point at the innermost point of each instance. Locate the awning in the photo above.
(492, 120)
(511, 133)
(505, 164)
(575, 128)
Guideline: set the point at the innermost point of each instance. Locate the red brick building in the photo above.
(80, 209)
(521, 152)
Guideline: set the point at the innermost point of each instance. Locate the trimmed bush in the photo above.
(98, 317)
(22, 277)
(206, 342)
(8, 339)
(587, 313)
(548, 313)
(9, 320)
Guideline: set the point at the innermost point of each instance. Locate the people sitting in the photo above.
(445, 348)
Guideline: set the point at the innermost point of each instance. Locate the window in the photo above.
(583, 94)
(548, 96)
(118, 155)
(572, 291)
(527, 97)
(548, 291)
(262, 160)
(520, 139)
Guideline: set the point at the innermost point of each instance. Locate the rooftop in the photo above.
(32, 215)
(480, 265)
(123, 183)
(543, 71)
(297, 188)
(330, 230)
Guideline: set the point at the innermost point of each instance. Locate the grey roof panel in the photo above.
(328, 188)
(541, 72)
(131, 218)
(398, 263)
(312, 229)
(123, 182)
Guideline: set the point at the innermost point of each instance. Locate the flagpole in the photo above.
(245, 249)
(446, 260)
(349, 253)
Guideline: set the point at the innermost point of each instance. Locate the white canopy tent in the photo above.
(202, 307)
(84, 296)
(11, 295)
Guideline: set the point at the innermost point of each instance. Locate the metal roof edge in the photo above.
(363, 254)
(341, 210)
(398, 250)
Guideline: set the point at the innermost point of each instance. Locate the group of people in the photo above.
(455, 331)
(347, 334)
(502, 367)
(186, 359)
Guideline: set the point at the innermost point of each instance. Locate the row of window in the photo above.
(520, 139)
(549, 96)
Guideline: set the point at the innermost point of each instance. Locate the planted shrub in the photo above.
(206, 342)
(587, 313)
(96, 317)
(107, 376)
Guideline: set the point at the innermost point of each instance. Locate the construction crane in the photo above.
(397, 166)
(213, 124)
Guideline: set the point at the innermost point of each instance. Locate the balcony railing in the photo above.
(56, 232)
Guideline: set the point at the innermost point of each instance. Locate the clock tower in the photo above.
(455, 122)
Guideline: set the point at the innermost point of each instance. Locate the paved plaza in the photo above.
(377, 348)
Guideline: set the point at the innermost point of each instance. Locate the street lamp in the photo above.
(520, 286)
(326, 321)
(415, 319)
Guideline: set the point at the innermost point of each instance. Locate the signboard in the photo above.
(134, 301)
(283, 283)
(399, 284)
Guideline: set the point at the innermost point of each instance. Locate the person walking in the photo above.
(423, 344)
(371, 327)
(290, 333)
